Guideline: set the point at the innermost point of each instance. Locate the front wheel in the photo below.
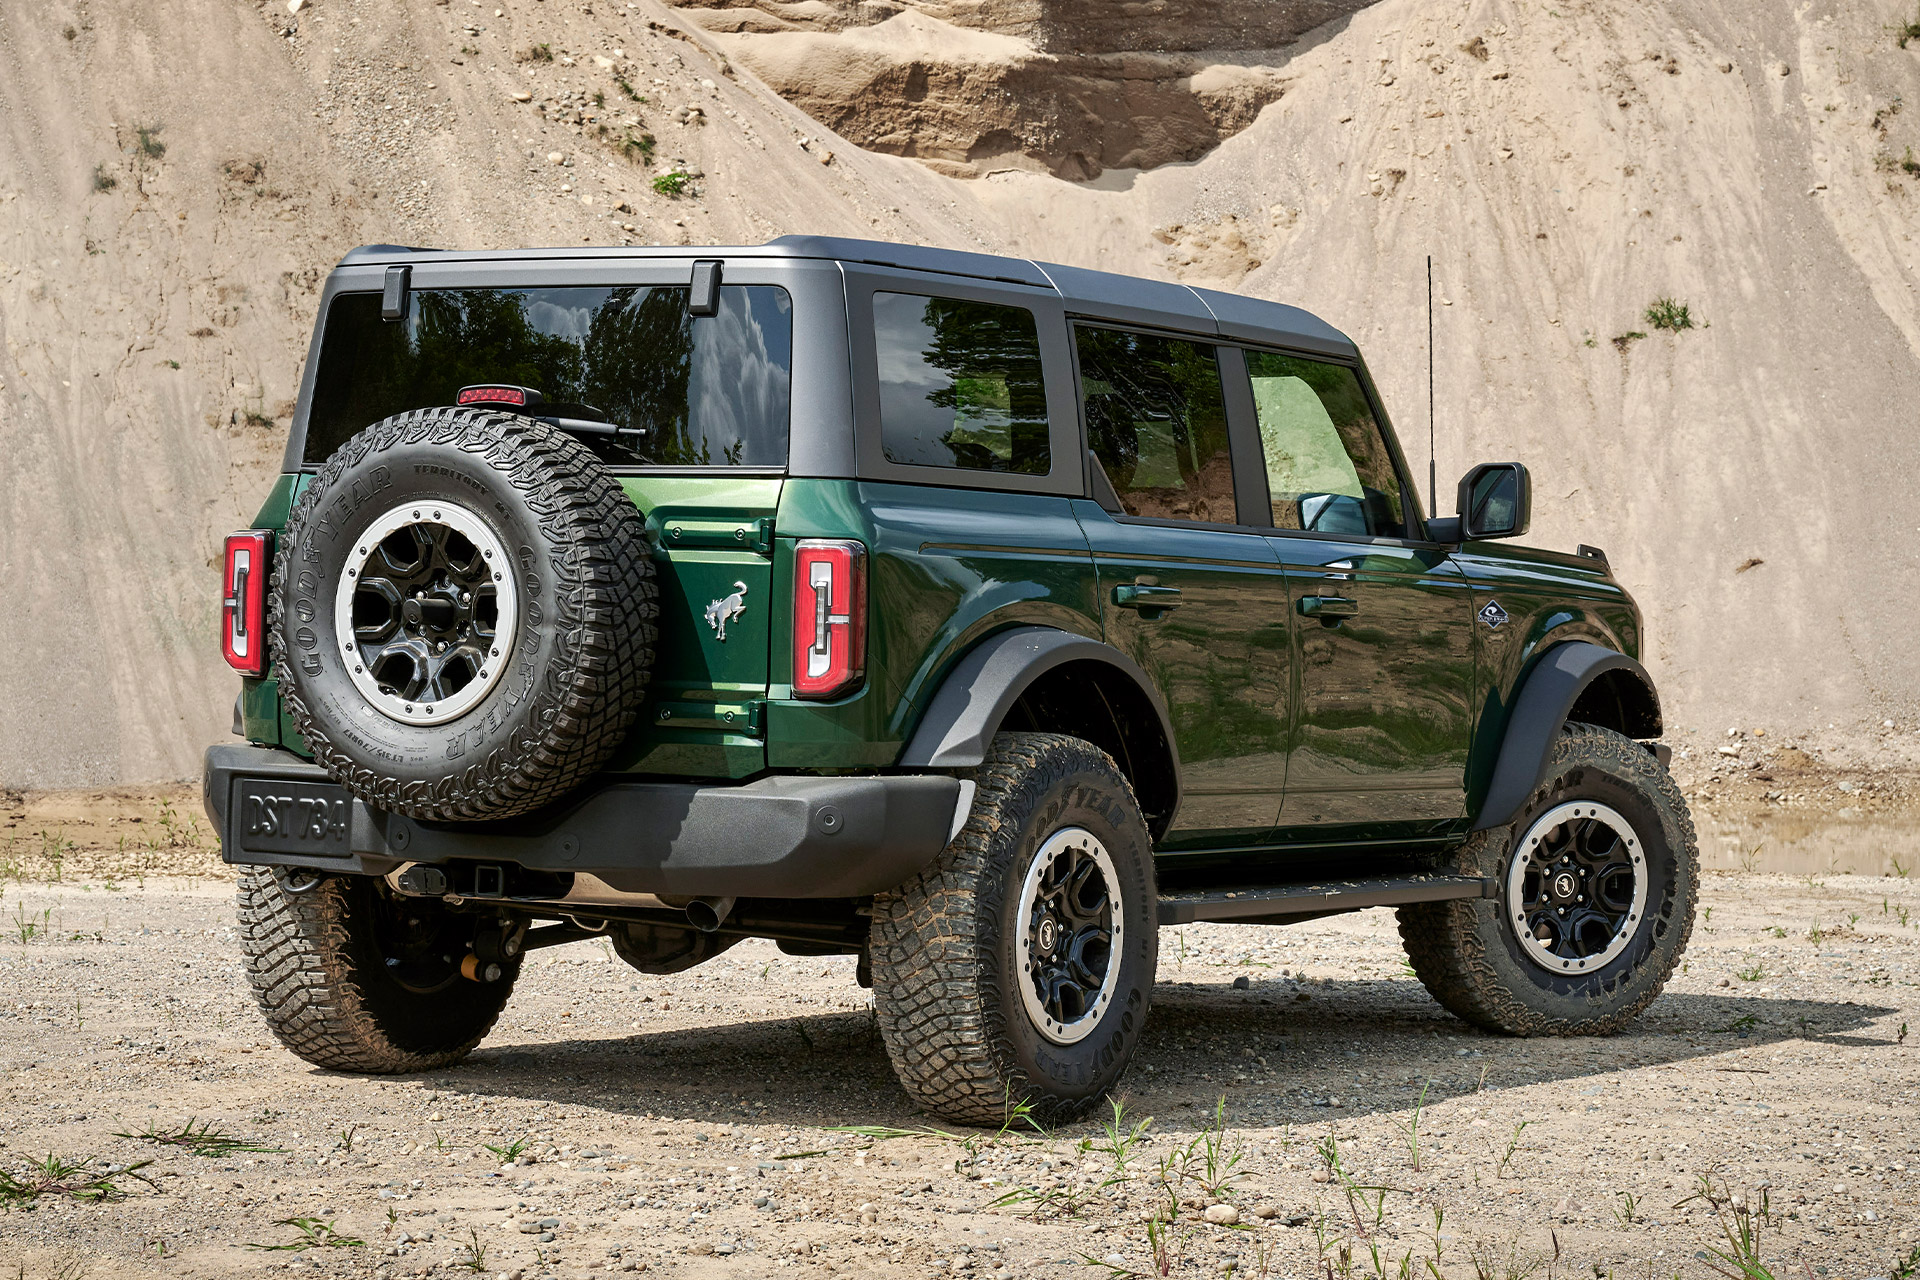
(1596, 881)
(1017, 969)
(354, 977)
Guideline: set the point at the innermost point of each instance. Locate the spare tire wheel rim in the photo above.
(1577, 887)
(426, 611)
(1070, 927)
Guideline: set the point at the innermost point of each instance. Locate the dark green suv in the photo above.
(969, 615)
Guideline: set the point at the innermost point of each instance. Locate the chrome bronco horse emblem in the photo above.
(721, 612)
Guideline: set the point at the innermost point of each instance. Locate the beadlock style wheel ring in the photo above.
(425, 612)
(1070, 931)
(1576, 887)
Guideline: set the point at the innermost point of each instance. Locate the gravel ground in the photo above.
(694, 1125)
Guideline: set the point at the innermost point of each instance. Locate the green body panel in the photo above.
(710, 537)
(274, 512)
(1381, 740)
(1219, 656)
(263, 718)
(945, 568)
(1550, 598)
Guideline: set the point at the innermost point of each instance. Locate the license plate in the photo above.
(291, 817)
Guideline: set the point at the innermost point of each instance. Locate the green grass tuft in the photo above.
(1665, 313)
(200, 1138)
(77, 1179)
(315, 1233)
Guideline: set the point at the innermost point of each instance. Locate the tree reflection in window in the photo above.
(708, 391)
(1157, 422)
(960, 384)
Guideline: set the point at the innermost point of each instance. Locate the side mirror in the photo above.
(1495, 500)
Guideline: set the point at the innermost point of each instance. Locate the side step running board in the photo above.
(1319, 898)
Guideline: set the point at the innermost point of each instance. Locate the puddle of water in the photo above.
(1786, 843)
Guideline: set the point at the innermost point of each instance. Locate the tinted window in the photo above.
(709, 391)
(1328, 469)
(1157, 422)
(960, 384)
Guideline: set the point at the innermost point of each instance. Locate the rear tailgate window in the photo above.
(709, 391)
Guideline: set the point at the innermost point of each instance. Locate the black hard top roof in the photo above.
(1126, 299)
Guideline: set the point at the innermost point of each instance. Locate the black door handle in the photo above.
(1328, 607)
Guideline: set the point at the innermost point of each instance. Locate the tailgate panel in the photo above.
(712, 540)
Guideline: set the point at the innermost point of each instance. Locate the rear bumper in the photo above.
(780, 837)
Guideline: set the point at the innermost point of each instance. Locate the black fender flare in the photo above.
(1547, 695)
(982, 687)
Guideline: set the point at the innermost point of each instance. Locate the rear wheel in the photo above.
(1018, 968)
(1597, 880)
(354, 977)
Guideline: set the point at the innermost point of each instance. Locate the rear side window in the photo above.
(1328, 469)
(708, 390)
(1157, 423)
(960, 384)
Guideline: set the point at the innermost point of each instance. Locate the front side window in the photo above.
(960, 384)
(1157, 424)
(1328, 469)
(707, 390)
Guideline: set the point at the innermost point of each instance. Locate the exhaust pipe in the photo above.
(707, 914)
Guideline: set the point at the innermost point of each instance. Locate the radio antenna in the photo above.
(1433, 467)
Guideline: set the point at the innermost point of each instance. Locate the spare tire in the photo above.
(463, 614)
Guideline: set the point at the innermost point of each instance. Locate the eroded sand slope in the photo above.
(1565, 165)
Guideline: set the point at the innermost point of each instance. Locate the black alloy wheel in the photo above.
(423, 592)
(1071, 932)
(1577, 886)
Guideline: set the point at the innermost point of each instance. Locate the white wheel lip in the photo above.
(1517, 874)
(1079, 1029)
(469, 525)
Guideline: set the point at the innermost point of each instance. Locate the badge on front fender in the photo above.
(1493, 615)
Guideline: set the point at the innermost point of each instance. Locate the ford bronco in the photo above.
(969, 615)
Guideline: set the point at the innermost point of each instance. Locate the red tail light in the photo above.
(243, 610)
(829, 618)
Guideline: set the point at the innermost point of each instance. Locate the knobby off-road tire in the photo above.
(498, 668)
(1471, 954)
(946, 947)
(353, 978)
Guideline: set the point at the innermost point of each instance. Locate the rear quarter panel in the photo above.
(263, 718)
(946, 567)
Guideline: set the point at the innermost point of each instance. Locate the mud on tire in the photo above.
(1470, 954)
(946, 946)
(354, 978)
(462, 688)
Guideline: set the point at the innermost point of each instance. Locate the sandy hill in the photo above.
(176, 177)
